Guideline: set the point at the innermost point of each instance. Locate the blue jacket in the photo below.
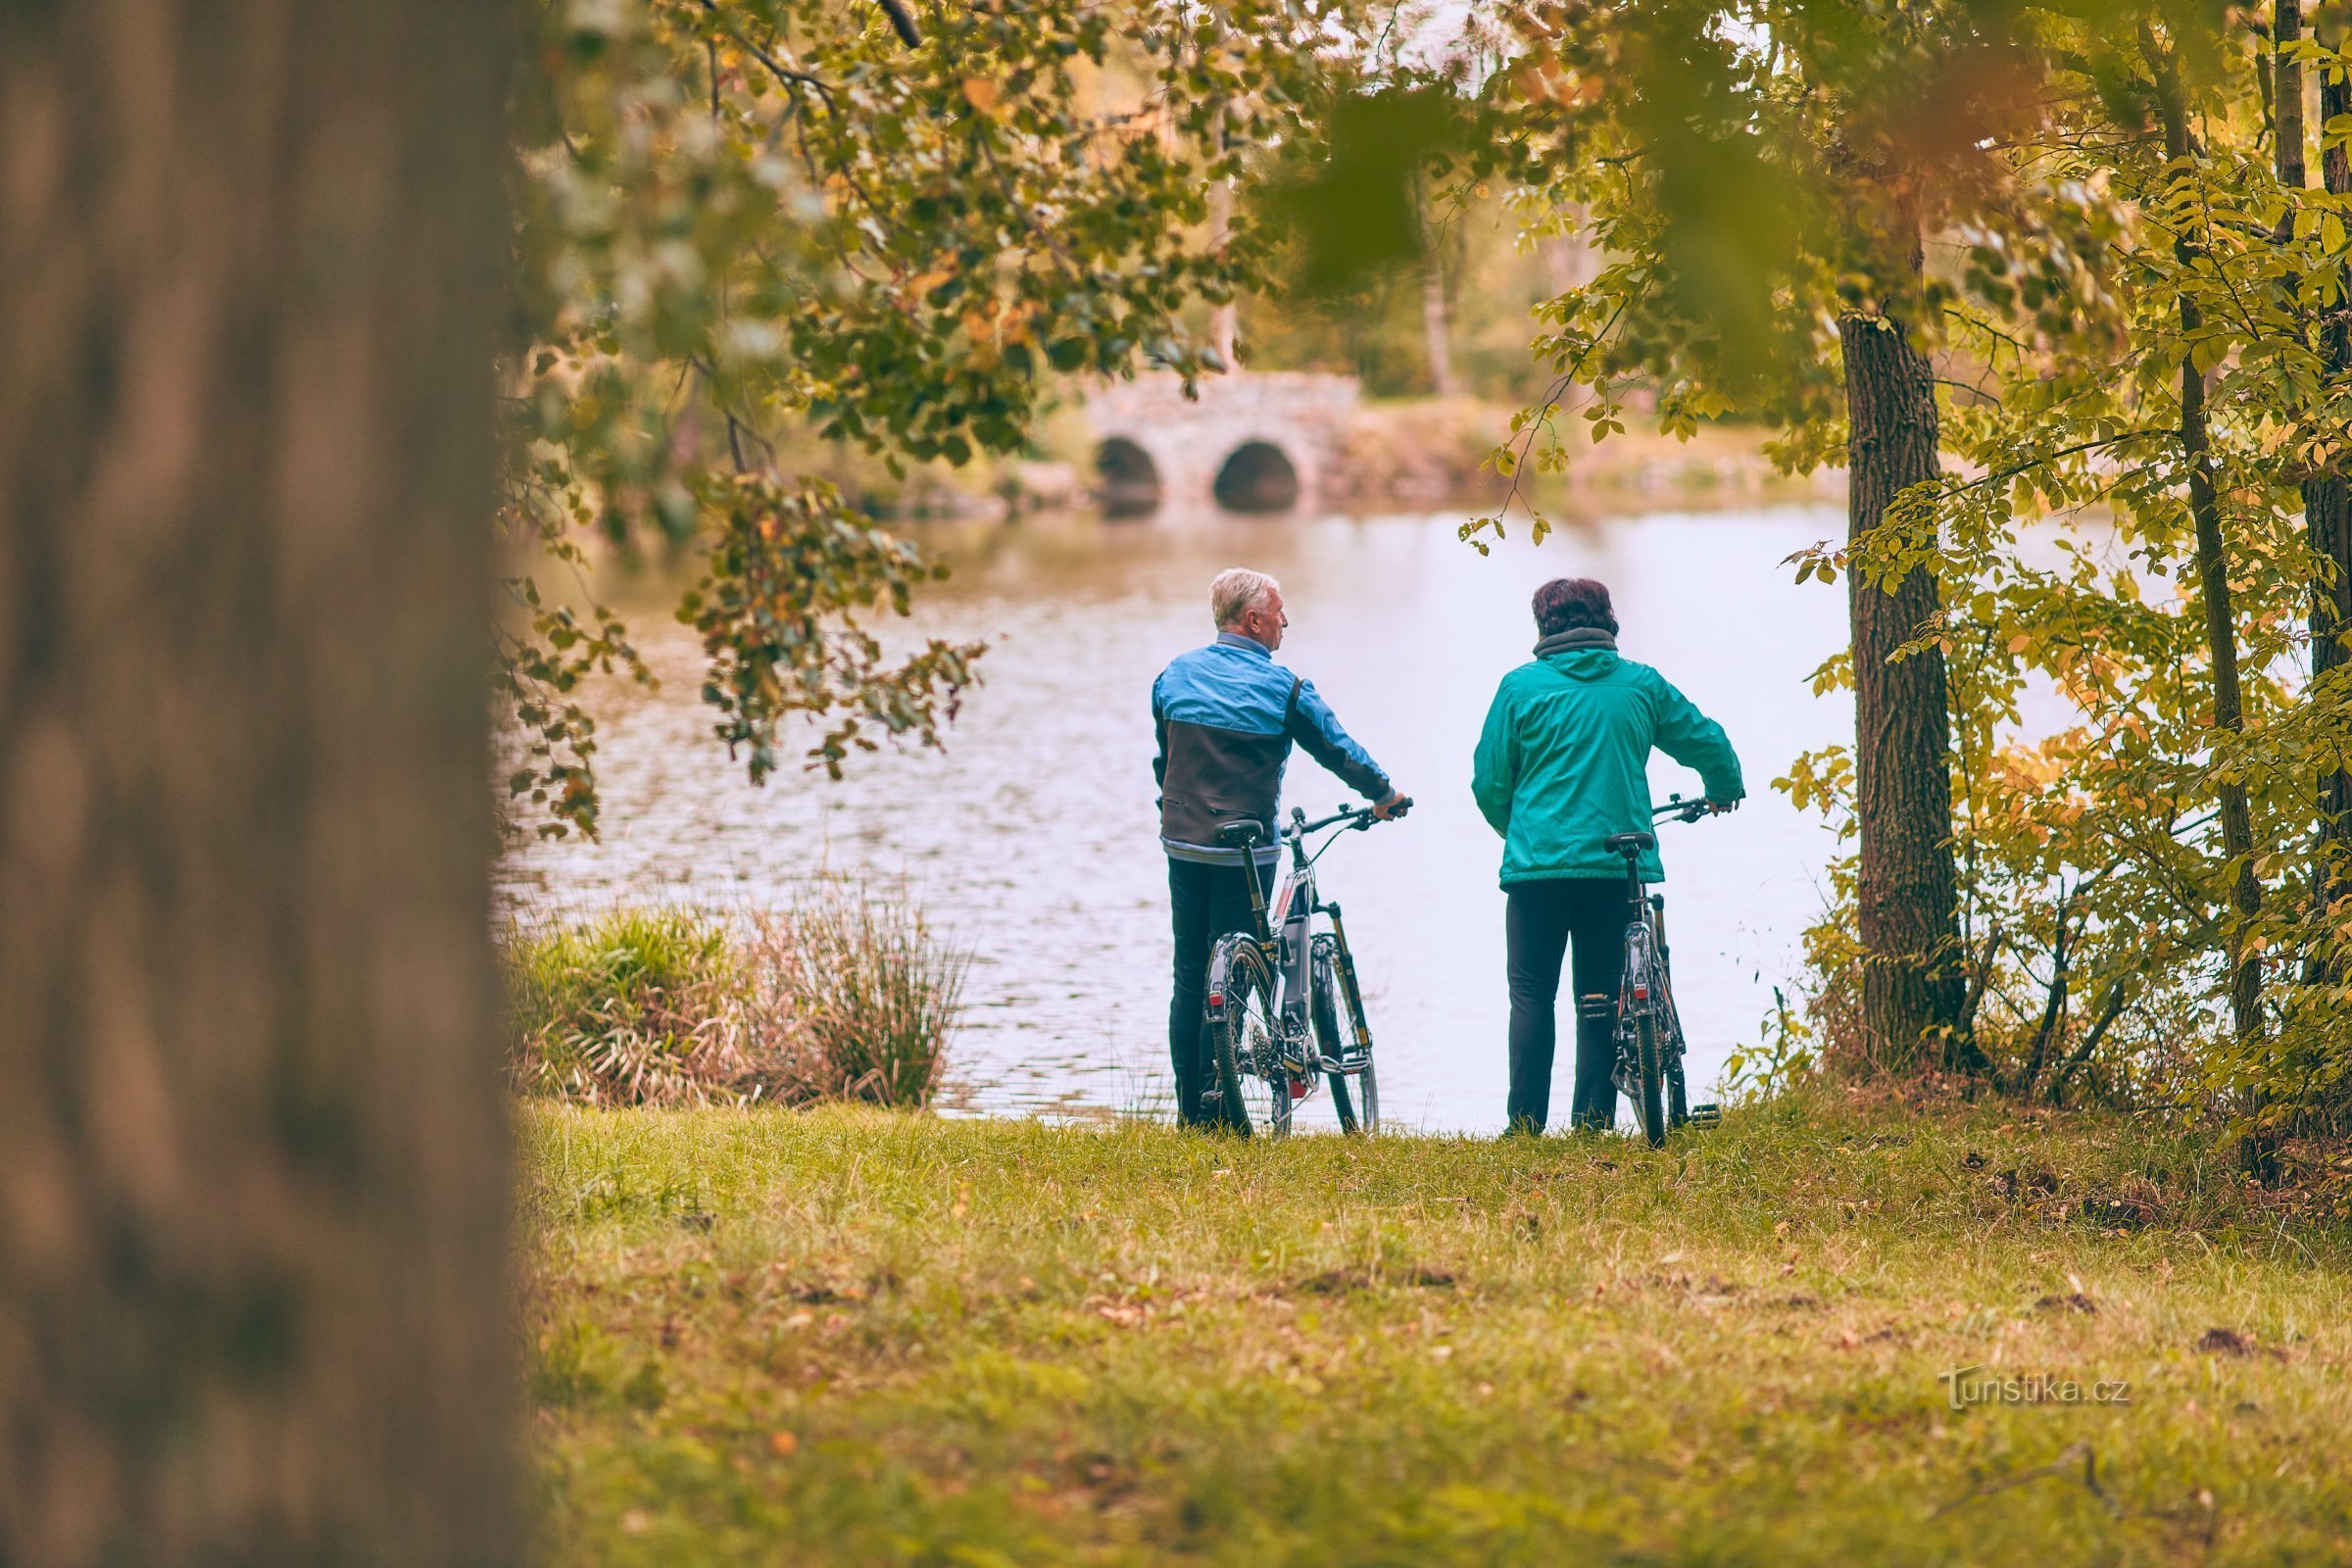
(1564, 759)
(1226, 715)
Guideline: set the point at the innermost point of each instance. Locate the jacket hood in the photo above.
(1585, 653)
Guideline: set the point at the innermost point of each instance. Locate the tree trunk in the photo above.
(253, 1174)
(1912, 978)
(2213, 591)
(1437, 308)
(1437, 328)
(2327, 515)
(1224, 321)
(2287, 96)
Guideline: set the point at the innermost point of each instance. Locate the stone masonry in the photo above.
(1302, 416)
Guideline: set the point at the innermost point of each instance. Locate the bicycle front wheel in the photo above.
(1244, 1037)
(1346, 1042)
(1649, 1080)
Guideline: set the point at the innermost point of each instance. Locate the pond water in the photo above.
(1032, 840)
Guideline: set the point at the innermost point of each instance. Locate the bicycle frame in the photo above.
(1647, 991)
(1283, 932)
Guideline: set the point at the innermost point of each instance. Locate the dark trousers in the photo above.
(1205, 902)
(1542, 922)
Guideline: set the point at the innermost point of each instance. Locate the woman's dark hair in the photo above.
(1565, 604)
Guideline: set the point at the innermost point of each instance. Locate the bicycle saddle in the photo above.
(1630, 842)
(1242, 834)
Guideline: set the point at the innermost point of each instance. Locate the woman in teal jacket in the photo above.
(1563, 764)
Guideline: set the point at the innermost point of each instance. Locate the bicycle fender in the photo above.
(1638, 987)
(1222, 960)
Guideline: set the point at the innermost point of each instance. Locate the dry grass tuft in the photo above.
(843, 995)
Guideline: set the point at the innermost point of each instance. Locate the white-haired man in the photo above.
(1227, 714)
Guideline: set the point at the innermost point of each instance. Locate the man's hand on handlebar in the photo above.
(1394, 806)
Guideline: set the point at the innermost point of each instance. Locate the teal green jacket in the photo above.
(1564, 759)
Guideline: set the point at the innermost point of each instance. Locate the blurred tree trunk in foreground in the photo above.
(253, 1178)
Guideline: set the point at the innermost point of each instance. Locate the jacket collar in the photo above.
(1248, 644)
(1574, 638)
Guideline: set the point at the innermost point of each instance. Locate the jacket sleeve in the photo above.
(1494, 768)
(1319, 735)
(1160, 727)
(1698, 743)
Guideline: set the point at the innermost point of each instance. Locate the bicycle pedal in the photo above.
(1707, 1116)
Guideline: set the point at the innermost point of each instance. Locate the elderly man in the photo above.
(1227, 714)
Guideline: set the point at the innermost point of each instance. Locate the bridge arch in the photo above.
(1131, 480)
(1257, 475)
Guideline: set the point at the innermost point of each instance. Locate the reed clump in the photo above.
(844, 994)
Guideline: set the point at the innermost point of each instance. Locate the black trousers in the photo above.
(1205, 903)
(1544, 921)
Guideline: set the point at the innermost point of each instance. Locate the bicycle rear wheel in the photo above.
(1339, 1028)
(1649, 1080)
(1670, 1045)
(1244, 1037)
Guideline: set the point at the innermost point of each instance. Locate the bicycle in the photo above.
(1649, 1066)
(1283, 1003)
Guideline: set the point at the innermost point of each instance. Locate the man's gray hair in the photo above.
(1236, 591)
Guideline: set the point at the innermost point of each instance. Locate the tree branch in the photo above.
(902, 21)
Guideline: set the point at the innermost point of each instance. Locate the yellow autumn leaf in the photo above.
(981, 94)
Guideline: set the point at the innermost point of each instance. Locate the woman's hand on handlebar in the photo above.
(1396, 805)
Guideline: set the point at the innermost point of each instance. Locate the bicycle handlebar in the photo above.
(1686, 811)
(1359, 817)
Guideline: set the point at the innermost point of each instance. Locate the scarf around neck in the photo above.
(1575, 637)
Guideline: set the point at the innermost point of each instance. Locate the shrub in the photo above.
(843, 995)
(869, 993)
(626, 1007)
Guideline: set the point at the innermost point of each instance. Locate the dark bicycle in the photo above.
(1649, 1031)
(1284, 1007)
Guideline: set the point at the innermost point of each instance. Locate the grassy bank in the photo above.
(852, 1336)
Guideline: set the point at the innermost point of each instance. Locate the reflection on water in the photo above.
(1033, 838)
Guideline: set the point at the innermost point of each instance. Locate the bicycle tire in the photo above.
(1243, 1025)
(1355, 1094)
(1678, 1098)
(1650, 1107)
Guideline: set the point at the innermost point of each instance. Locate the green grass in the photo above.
(851, 1337)
(619, 1006)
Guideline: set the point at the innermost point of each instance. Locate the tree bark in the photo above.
(253, 1174)
(2213, 592)
(2286, 95)
(1907, 894)
(2327, 517)
(1437, 308)
(1437, 328)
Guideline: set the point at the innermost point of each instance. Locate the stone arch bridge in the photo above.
(1252, 442)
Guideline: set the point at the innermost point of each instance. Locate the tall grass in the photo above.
(845, 994)
(868, 990)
